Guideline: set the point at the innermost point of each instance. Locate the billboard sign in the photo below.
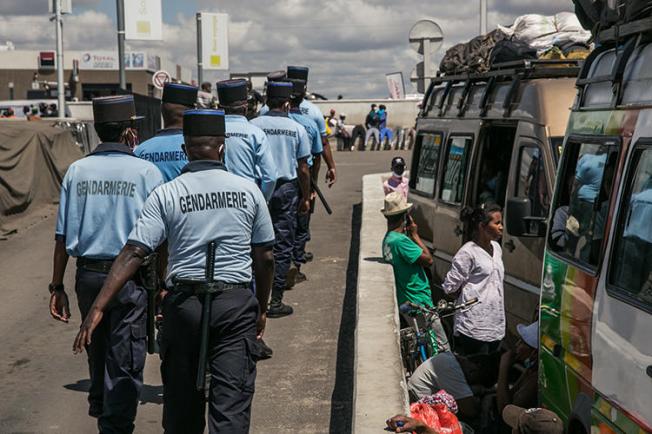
(395, 85)
(134, 60)
(143, 20)
(215, 40)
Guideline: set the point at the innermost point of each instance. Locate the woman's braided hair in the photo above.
(474, 217)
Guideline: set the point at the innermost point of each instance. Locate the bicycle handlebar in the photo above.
(412, 309)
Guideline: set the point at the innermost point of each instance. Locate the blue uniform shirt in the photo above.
(317, 146)
(101, 198)
(588, 174)
(206, 203)
(312, 111)
(309, 109)
(287, 140)
(164, 150)
(247, 153)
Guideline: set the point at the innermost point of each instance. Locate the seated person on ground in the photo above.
(524, 392)
(404, 250)
(458, 376)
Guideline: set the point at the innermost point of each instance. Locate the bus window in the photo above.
(578, 223)
(531, 181)
(494, 164)
(631, 261)
(428, 147)
(452, 187)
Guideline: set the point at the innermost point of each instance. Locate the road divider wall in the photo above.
(379, 381)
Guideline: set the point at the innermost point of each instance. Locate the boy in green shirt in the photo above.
(403, 248)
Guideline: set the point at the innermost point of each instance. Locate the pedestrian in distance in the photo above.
(302, 234)
(247, 152)
(409, 257)
(102, 196)
(291, 153)
(311, 110)
(372, 122)
(164, 149)
(397, 182)
(214, 223)
(477, 270)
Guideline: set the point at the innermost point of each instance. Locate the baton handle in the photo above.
(321, 196)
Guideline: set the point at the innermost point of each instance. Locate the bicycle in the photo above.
(418, 344)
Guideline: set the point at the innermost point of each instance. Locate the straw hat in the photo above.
(395, 203)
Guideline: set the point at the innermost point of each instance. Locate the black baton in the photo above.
(314, 186)
(203, 373)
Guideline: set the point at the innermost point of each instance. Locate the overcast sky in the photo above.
(349, 45)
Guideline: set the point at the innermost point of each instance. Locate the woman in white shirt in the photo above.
(477, 271)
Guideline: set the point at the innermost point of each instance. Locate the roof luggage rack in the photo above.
(516, 71)
(534, 68)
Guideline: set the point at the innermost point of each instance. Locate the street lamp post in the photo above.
(10, 85)
(200, 55)
(61, 93)
(120, 9)
(483, 17)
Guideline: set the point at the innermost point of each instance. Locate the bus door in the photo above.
(451, 197)
(622, 343)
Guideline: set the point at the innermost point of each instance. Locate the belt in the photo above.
(96, 265)
(280, 182)
(199, 288)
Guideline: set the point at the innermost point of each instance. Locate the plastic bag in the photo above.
(436, 416)
(426, 414)
(530, 27)
(447, 420)
(568, 22)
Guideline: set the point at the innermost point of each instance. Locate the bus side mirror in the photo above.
(519, 221)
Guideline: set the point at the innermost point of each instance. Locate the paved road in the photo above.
(305, 387)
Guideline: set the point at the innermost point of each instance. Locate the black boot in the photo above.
(265, 351)
(278, 310)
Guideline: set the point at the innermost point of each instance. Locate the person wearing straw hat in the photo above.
(532, 420)
(102, 196)
(403, 248)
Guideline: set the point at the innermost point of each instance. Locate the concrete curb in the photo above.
(379, 389)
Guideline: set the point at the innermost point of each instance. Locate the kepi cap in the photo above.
(279, 89)
(300, 72)
(298, 87)
(203, 122)
(395, 203)
(276, 76)
(529, 333)
(532, 421)
(182, 94)
(231, 91)
(120, 108)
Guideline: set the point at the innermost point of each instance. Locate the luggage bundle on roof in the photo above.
(556, 37)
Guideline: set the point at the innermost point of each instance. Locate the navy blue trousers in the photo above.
(283, 210)
(232, 361)
(116, 355)
(301, 238)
